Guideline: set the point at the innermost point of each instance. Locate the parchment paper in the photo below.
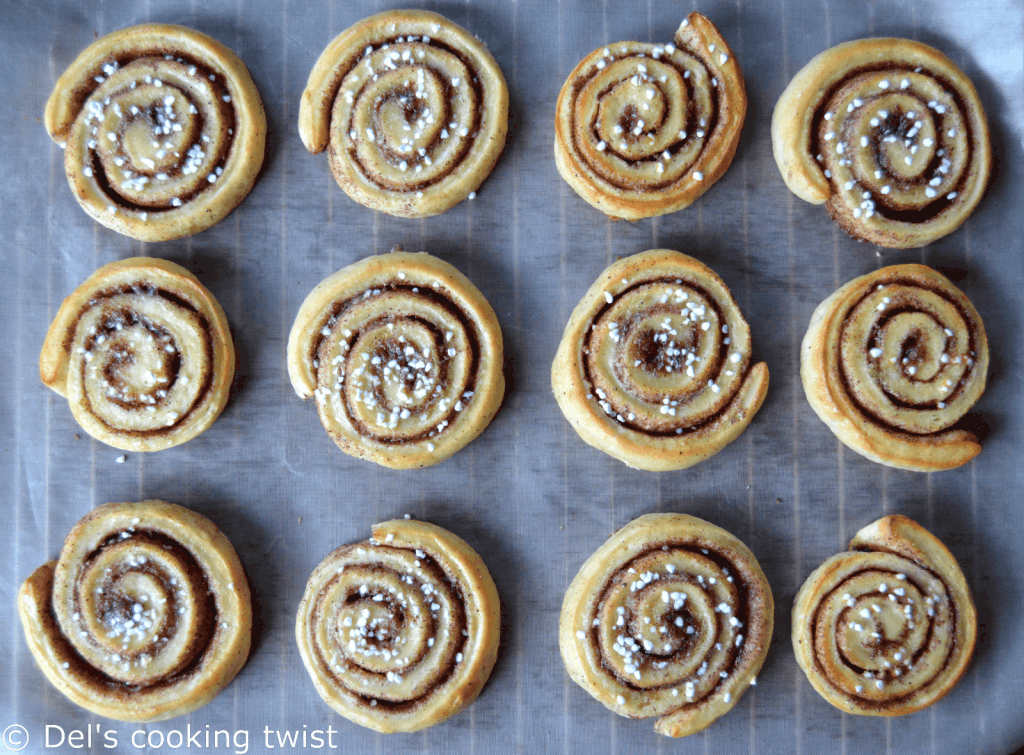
(529, 495)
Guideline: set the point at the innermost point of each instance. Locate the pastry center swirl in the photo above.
(890, 627)
(895, 143)
(143, 612)
(389, 627)
(408, 112)
(642, 117)
(671, 623)
(142, 359)
(665, 357)
(908, 356)
(156, 132)
(399, 362)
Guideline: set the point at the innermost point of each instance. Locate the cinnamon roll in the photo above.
(892, 361)
(890, 135)
(888, 627)
(671, 618)
(412, 109)
(163, 131)
(145, 616)
(400, 632)
(655, 366)
(403, 356)
(644, 129)
(142, 352)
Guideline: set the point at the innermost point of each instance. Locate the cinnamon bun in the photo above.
(645, 129)
(890, 135)
(892, 362)
(888, 627)
(143, 354)
(656, 366)
(145, 616)
(403, 357)
(400, 632)
(670, 618)
(163, 131)
(413, 110)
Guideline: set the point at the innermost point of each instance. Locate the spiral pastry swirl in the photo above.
(670, 618)
(643, 129)
(892, 361)
(401, 632)
(163, 131)
(655, 364)
(404, 358)
(145, 616)
(888, 627)
(413, 108)
(890, 135)
(143, 354)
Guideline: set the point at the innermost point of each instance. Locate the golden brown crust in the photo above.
(655, 365)
(431, 598)
(696, 582)
(643, 130)
(890, 135)
(143, 353)
(145, 616)
(413, 108)
(163, 130)
(403, 356)
(892, 361)
(889, 627)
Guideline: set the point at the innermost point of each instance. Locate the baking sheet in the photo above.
(529, 495)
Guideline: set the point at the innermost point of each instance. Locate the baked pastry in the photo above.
(413, 109)
(145, 616)
(643, 129)
(404, 357)
(671, 618)
(400, 632)
(888, 627)
(892, 361)
(655, 365)
(142, 352)
(162, 128)
(890, 135)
